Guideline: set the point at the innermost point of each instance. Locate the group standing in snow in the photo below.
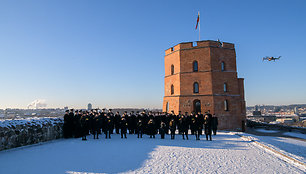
(83, 123)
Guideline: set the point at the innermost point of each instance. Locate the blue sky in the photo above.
(111, 53)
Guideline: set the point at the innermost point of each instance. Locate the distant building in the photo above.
(89, 106)
(66, 108)
(256, 113)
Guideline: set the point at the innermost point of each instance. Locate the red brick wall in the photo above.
(211, 79)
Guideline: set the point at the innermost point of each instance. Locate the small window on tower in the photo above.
(225, 105)
(196, 87)
(195, 66)
(222, 66)
(172, 89)
(172, 69)
(167, 107)
(225, 87)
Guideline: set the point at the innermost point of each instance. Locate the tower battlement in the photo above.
(199, 44)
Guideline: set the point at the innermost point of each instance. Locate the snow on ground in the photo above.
(288, 146)
(227, 153)
(266, 131)
(295, 134)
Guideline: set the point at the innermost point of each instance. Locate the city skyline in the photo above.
(111, 54)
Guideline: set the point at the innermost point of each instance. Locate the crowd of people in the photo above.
(80, 123)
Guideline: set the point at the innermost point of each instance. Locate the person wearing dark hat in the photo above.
(77, 124)
(133, 122)
(95, 125)
(201, 119)
(197, 123)
(117, 122)
(84, 125)
(140, 128)
(129, 121)
(138, 117)
(214, 124)
(71, 123)
(172, 126)
(123, 125)
(207, 125)
(111, 116)
(192, 123)
(109, 126)
(162, 130)
(66, 126)
(151, 128)
(183, 126)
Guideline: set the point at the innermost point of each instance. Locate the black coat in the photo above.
(214, 122)
(123, 125)
(151, 128)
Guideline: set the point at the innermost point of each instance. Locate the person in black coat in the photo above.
(192, 123)
(162, 130)
(108, 127)
(207, 125)
(112, 117)
(140, 128)
(133, 122)
(151, 128)
(167, 121)
(172, 126)
(145, 120)
(123, 126)
(71, 123)
(214, 124)
(197, 123)
(78, 124)
(66, 125)
(183, 126)
(117, 122)
(138, 117)
(96, 120)
(84, 126)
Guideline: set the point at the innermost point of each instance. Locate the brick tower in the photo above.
(203, 78)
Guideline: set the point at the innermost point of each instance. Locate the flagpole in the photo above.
(199, 27)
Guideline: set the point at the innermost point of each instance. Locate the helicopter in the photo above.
(271, 58)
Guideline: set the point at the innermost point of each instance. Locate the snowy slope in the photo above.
(288, 146)
(227, 153)
(295, 134)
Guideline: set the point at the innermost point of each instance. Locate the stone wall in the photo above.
(15, 133)
(255, 124)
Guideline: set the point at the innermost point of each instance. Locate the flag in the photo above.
(198, 20)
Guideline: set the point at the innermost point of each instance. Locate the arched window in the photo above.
(172, 89)
(195, 66)
(225, 105)
(195, 87)
(225, 87)
(172, 69)
(167, 107)
(222, 66)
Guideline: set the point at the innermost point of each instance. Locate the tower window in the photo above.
(196, 87)
(172, 69)
(225, 87)
(222, 66)
(225, 105)
(195, 66)
(172, 89)
(167, 107)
